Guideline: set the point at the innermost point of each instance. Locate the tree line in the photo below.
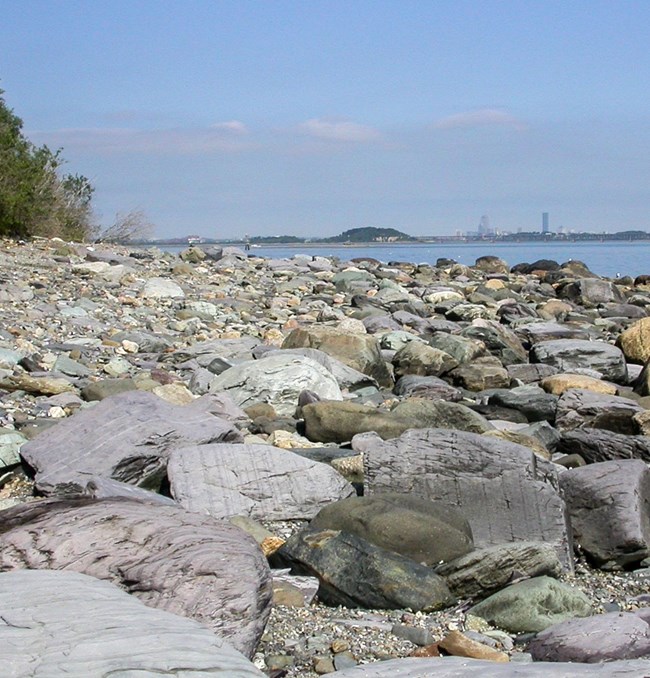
(37, 199)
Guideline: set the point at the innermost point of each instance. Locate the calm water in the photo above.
(607, 259)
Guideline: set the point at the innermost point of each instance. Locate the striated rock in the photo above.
(595, 445)
(127, 437)
(499, 340)
(259, 481)
(277, 380)
(532, 401)
(355, 573)
(484, 571)
(170, 559)
(505, 492)
(434, 388)
(580, 408)
(480, 376)
(609, 508)
(533, 605)
(425, 531)
(569, 354)
(55, 621)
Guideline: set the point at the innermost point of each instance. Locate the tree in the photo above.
(129, 227)
(34, 200)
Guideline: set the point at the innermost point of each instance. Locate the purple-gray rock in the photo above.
(169, 558)
(127, 437)
(609, 509)
(62, 623)
(259, 481)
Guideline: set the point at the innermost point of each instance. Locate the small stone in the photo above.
(339, 646)
(130, 346)
(459, 645)
(427, 651)
(415, 634)
(323, 665)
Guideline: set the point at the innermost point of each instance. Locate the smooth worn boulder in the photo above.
(463, 349)
(557, 384)
(603, 637)
(480, 376)
(127, 437)
(427, 532)
(162, 288)
(62, 623)
(360, 351)
(440, 414)
(484, 571)
(595, 445)
(533, 605)
(506, 493)
(580, 408)
(532, 401)
(278, 380)
(499, 340)
(460, 667)
(571, 354)
(422, 359)
(591, 292)
(355, 573)
(609, 508)
(259, 481)
(189, 564)
(635, 341)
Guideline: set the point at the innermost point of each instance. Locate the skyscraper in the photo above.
(544, 222)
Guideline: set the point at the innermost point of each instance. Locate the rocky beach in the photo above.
(214, 463)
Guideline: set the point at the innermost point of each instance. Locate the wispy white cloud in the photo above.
(480, 118)
(231, 126)
(339, 130)
(222, 137)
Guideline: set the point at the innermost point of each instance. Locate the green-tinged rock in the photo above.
(533, 605)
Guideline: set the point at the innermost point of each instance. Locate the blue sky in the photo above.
(224, 117)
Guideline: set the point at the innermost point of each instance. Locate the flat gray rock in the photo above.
(506, 493)
(259, 481)
(572, 354)
(169, 558)
(127, 437)
(609, 509)
(66, 623)
(582, 408)
(458, 667)
(595, 445)
(617, 635)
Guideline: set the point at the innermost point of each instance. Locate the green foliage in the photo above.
(34, 199)
(371, 234)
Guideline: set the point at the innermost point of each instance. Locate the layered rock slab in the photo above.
(127, 437)
(506, 493)
(170, 559)
(259, 481)
(54, 622)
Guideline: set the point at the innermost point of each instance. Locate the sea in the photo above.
(609, 259)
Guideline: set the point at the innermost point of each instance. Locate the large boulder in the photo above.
(499, 340)
(189, 564)
(460, 667)
(609, 508)
(595, 445)
(55, 621)
(260, 481)
(425, 413)
(533, 605)
(427, 532)
(419, 358)
(603, 637)
(572, 354)
(581, 408)
(532, 401)
(278, 380)
(433, 388)
(360, 351)
(506, 493)
(127, 437)
(355, 573)
(635, 341)
(484, 571)
(591, 292)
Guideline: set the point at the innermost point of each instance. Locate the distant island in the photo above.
(372, 235)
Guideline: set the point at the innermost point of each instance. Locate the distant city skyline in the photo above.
(311, 118)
